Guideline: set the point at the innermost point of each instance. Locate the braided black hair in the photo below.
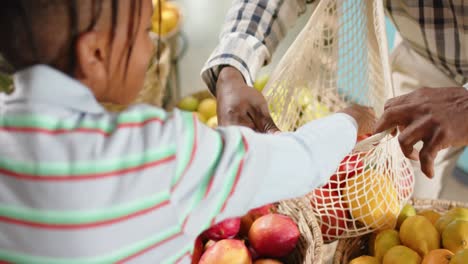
(45, 31)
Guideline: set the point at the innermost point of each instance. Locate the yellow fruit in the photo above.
(207, 108)
(212, 122)
(275, 117)
(455, 213)
(201, 117)
(419, 234)
(401, 255)
(438, 256)
(406, 212)
(188, 103)
(315, 111)
(169, 21)
(455, 236)
(372, 200)
(461, 257)
(156, 2)
(364, 260)
(261, 82)
(384, 241)
(432, 215)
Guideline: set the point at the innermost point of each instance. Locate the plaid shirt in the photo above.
(437, 30)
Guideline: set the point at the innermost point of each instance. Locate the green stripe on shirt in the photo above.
(82, 217)
(87, 167)
(15, 257)
(201, 191)
(229, 184)
(187, 146)
(49, 123)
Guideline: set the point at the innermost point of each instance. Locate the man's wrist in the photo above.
(229, 74)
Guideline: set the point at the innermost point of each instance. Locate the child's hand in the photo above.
(364, 116)
(239, 104)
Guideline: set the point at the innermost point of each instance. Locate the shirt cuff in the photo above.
(465, 86)
(239, 50)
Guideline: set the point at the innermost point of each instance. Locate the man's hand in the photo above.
(364, 116)
(239, 104)
(436, 116)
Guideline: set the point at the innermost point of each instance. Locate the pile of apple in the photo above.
(260, 237)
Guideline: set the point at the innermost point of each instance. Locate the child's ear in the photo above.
(91, 60)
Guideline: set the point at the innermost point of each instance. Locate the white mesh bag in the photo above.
(341, 56)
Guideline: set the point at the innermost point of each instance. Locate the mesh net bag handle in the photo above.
(341, 57)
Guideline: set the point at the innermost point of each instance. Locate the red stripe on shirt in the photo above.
(184, 223)
(139, 253)
(183, 256)
(30, 177)
(79, 130)
(129, 258)
(210, 185)
(85, 225)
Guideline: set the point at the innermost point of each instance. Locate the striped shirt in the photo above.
(82, 185)
(437, 30)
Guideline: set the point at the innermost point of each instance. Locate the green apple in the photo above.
(188, 103)
(261, 82)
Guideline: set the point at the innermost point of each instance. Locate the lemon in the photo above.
(365, 260)
(201, 117)
(461, 257)
(432, 215)
(419, 234)
(384, 241)
(188, 103)
(438, 256)
(372, 200)
(406, 212)
(455, 236)
(455, 213)
(212, 122)
(207, 108)
(169, 20)
(401, 255)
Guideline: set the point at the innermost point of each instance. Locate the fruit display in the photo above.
(205, 109)
(166, 20)
(424, 237)
(204, 105)
(262, 236)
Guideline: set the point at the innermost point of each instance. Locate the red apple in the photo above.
(246, 222)
(274, 235)
(263, 210)
(197, 250)
(253, 254)
(209, 244)
(225, 229)
(268, 261)
(350, 166)
(333, 213)
(226, 251)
